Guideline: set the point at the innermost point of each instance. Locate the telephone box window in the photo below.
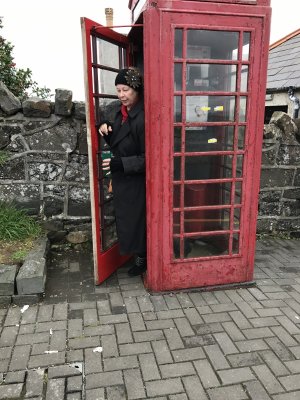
(178, 43)
(218, 45)
(177, 77)
(211, 77)
(177, 109)
(107, 54)
(210, 108)
(209, 138)
(246, 46)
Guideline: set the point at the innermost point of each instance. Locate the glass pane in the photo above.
(207, 195)
(244, 78)
(237, 218)
(176, 222)
(108, 54)
(208, 167)
(176, 196)
(177, 139)
(241, 137)
(209, 138)
(177, 77)
(205, 220)
(235, 243)
(177, 168)
(108, 237)
(205, 44)
(108, 109)
(214, 245)
(210, 108)
(178, 43)
(108, 212)
(239, 166)
(177, 109)
(211, 77)
(238, 193)
(106, 82)
(246, 45)
(243, 108)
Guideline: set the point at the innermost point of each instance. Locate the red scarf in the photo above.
(124, 113)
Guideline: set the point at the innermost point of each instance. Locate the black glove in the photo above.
(116, 164)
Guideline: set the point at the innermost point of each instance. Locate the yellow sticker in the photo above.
(205, 108)
(212, 140)
(219, 108)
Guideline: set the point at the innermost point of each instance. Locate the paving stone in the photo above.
(225, 343)
(162, 352)
(135, 348)
(124, 334)
(104, 379)
(116, 392)
(8, 336)
(62, 371)
(149, 367)
(20, 358)
(109, 345)
(134, 384)
(45, 360)
(216, 357)
(233, 392)
(206, 374)
(92, 361)
(174, 339)
(74, 384)
(164, 387)
(193, 388)
(236, 375)
(117, 363)
(147, 336)
(84, 342)
(12, 391)
(35, 383)
(273, 362)
(55, 389)
(7, 279)
(244, 359)
(194, 353)
(268, 380)
(98, 394)
(177, 370)
(15, 377)
(291, 382)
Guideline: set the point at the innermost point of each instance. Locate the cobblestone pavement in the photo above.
(116, 341)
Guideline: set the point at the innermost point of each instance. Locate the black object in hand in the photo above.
(116, 164)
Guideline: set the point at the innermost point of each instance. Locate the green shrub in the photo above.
(15, 224)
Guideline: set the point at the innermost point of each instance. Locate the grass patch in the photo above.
(4, 156)
(15, 224)
(18, 232)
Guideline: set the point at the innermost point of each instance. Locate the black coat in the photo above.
(127, 141)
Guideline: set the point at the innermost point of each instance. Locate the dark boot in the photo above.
(139, 267)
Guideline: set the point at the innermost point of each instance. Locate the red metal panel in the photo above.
(164, 273)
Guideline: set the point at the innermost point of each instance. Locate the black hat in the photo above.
(130, 77)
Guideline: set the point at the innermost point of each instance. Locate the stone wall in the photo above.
(45, 145)
(279, 201)
(47, 167)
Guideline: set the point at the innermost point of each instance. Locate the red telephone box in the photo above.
(204, 65)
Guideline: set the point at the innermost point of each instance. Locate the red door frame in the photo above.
(163, 273)
(105, 262)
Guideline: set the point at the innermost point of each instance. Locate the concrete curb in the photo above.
(26, 285)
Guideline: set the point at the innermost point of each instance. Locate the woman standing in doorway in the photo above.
(126, 138)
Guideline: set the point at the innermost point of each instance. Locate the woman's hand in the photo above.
(106, 164)
(105, 129)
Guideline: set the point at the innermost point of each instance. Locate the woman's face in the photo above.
(127, 95)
